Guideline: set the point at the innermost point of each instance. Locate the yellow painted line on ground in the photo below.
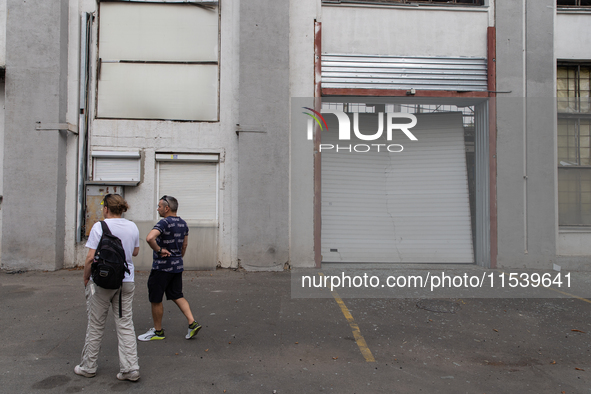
(569, 294)
(354, 327)
(561, 292)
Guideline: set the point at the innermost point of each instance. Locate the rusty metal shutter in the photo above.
(393, 72)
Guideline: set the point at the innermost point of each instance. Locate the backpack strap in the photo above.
(120, 303)
(106, 229)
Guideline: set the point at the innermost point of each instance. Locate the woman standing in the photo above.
(98, 299)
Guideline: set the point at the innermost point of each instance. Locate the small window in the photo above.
(573, 3)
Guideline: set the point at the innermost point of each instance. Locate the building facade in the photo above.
(217, 103)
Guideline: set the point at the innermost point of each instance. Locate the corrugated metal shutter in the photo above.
(392, 72)
(111, 166)
(407, 207)
(194, 185)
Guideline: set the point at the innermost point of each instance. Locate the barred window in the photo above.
(383, 2)
(574, 144)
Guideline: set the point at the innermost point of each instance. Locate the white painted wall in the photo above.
(2, 32)
(405, 31)
(574, 242)
(572, 36)
(151, 136)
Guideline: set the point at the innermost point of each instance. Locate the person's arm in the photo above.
(185, 243)
(87, 264)
(136, 251)
(151, 240)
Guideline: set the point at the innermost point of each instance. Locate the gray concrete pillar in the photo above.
(526, 133)
(263, 146)
(35, 160)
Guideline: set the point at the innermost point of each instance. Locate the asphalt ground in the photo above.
(256, 338)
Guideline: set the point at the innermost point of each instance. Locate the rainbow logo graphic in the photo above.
(314, 116)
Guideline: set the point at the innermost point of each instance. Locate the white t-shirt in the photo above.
(123, 229)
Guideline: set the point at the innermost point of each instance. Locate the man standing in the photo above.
(168, 239)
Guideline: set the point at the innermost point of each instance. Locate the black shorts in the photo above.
(161, 282)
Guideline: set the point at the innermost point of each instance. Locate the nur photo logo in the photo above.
(390, 119)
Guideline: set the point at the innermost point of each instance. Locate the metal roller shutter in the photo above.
(194, 185)
(395, 72)
(407, 207)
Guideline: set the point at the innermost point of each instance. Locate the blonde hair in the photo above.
(115, 203)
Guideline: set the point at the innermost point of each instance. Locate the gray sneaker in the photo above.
(131, 375)
(193, 330)
(79, 371)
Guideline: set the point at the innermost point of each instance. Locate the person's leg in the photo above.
(183, 305)
(174, 292)
(157, 313)
(97, 317)
(156, 284)
(128, 360)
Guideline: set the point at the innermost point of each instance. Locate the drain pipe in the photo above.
(85, 39)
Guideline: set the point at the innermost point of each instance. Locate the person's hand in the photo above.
(165, 253)
(86, 281)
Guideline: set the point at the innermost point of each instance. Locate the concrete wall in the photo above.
(34, 161)
(301, 171)
(405, 31)
(2, 106)
(263, 147)
(2, 63)
(574, 243)
(526, 134)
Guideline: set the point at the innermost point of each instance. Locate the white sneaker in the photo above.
(79, 371)
(151, 335)
(131, 375)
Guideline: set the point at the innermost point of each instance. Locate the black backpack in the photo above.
(109, 266)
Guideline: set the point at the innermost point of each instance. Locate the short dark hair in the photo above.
(172, 202)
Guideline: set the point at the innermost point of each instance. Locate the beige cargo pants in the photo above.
(98, 301)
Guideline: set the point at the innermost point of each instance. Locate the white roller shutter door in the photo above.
(407, 207)
(115, 166)
(194, 185)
